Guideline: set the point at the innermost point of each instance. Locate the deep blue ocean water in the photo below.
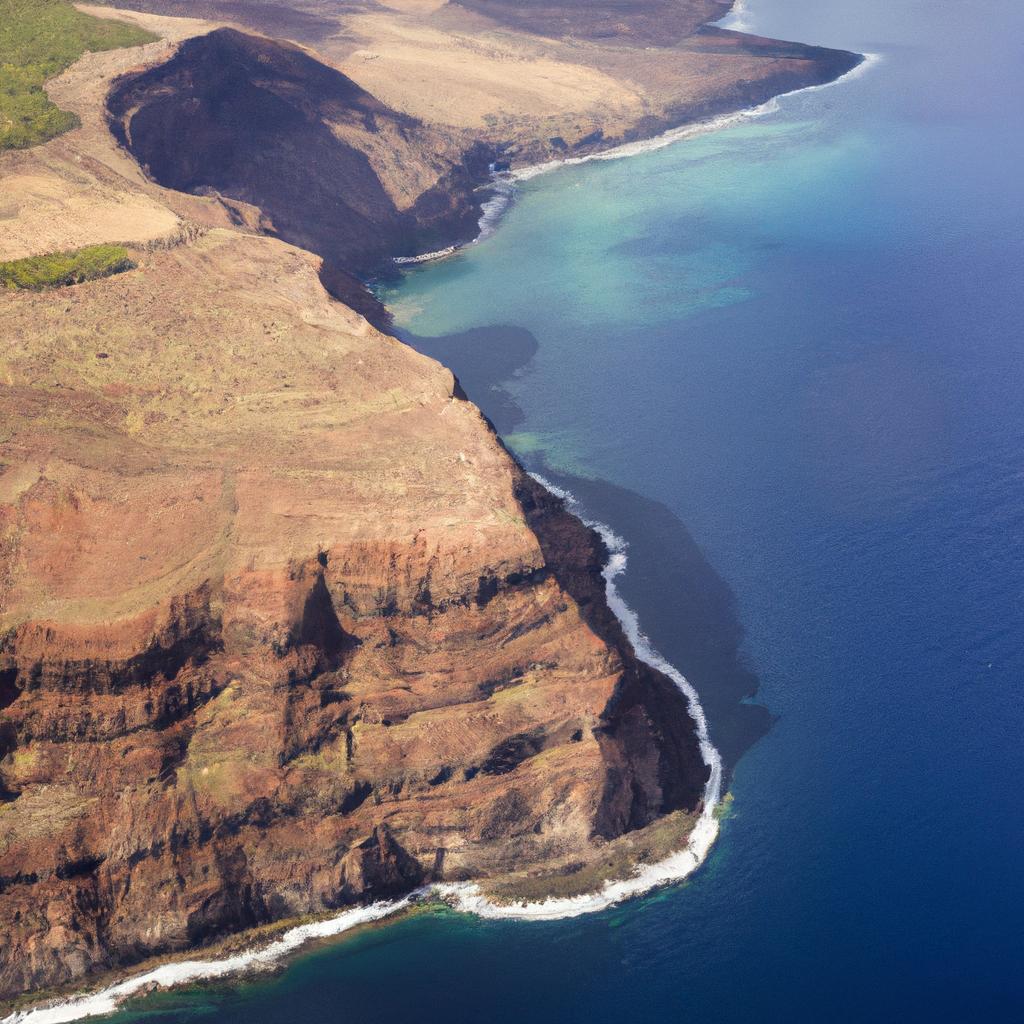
(803, 338)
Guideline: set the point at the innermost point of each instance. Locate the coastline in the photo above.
(777, 360)
(677, 866)
(694, 129)
(736, 18)
(504, 183)
(108, 1000)
(465, 897)
(468, 897)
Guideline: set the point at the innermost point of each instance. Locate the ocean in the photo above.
(784, 361)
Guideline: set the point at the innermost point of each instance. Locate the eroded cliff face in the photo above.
(338, 171)
(282, 625)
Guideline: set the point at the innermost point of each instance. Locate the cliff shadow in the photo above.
(686, 609)
(482, 359)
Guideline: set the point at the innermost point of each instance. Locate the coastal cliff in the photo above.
(283, 626)
(331, 168)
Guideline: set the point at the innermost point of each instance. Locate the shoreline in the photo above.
(464, 897)
(735, 19)
(646, 877)
(504, 183)
(468, 897)
(695, 128)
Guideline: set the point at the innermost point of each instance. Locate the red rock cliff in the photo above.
(282, 625)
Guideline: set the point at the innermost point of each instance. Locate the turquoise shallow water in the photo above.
(802, 338)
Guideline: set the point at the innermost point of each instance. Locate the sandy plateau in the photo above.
(495, 81)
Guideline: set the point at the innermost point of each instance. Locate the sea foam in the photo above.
(737, 19)
(503, 191)
(189, 971)
(503, 184)
(689, 131)
(675, 867)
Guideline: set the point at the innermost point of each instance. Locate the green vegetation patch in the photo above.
(39, 39)
(724, 808)
(61, 268)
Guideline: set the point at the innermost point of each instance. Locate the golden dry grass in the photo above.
(474, 81)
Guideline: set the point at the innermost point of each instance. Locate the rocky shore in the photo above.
(285, 628)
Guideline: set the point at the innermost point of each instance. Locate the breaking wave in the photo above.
(503, 184)
(168, 975)
(467, 896)
(689, 131)
(502, 189)
(737, 19)
(503, 193)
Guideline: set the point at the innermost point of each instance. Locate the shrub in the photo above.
(61, 268)
(39, 39)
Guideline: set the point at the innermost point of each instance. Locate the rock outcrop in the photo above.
(333, 169)
(339, 172)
